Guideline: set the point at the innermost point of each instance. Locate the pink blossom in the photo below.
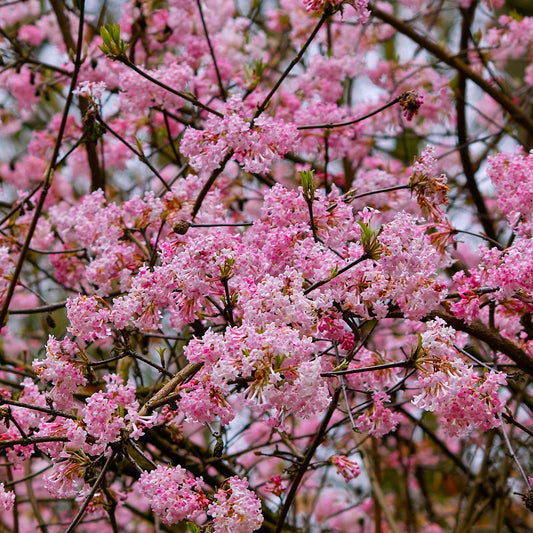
(174, 494)
(255, 144)
(23, 86)
(107, 413)
(348, 469)
(462, 400)
(138, 92)
(276, 485)
(66, 479)
(63, 369)
(7, 499)
(31, 34)
(91, 89)
(202, 400)
(235, 509)
(512, 175)
(378, 420)
(88, 318)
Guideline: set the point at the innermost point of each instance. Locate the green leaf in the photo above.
(308, 183)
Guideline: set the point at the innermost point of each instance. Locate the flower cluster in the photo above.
(462, 400)
(378, 420)
(255, 143)
(64, 369)
(7, 499)
(175, 494)
(348, 469)
(275, 364)
(512, 175)
(107, 413)
(431, 189)
(235, 509)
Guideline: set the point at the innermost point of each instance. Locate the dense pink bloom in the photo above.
(406, 271)
(107, 413)
(63, 368)
(274, 362)
(378, 420)
(88, 318)
(512, 175)
(175, 494)
(235, 509)
(7, 499)
(255, 144)
(309, 271)
(461, 399)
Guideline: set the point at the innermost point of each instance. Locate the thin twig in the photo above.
(89, 497)
(304, 464)
(211, 51)
(327, 13)
(190, 98)
(331, 125)
(341, 271)
(515, 111)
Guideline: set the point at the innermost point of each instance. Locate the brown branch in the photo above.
(97, 176)
(27, 441)
(168, 388)
(462, 135)
(211, 51)
(331, 125)
(490, 337)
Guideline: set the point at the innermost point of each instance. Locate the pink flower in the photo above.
(378, 420)
(89, 318)
(67, 476)
(7, 499)
(348, 469)
(63, 369)
(276, 485)
(256, 145)
(106, 413)
(31, 34)
(236, 509)
(512, 175)
(462, 400)
(175, 494)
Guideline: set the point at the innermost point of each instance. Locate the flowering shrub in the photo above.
(265, 266)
